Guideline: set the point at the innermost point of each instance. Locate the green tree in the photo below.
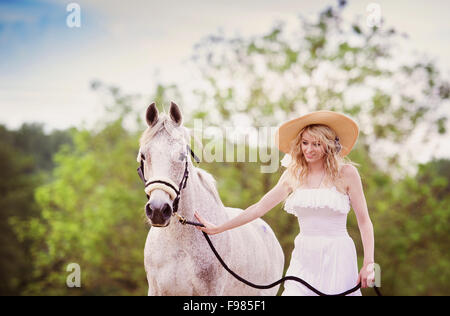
(16, 189)
(413, 232)
(91, 215)
(25, 157)
(32, 140)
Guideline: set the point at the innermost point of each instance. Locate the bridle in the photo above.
(166, 184)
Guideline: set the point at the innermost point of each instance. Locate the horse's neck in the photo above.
(196, 198)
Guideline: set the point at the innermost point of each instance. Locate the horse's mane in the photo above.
(209, 183)
(164, 121)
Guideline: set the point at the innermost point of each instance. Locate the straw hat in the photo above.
(346, 129)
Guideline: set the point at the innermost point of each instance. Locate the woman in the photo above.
(318, 185)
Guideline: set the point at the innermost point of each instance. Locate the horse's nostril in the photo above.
(167, 211)
(148, 210)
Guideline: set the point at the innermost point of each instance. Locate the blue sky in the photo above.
(46, 67)
(32, 30)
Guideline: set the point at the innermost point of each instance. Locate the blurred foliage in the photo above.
(91, 215)
(25, 158)
(323, 64)
(411, 222)
(86, 204)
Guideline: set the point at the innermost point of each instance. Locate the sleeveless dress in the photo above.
(324, 254)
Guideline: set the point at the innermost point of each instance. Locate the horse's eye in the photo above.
(142, 156)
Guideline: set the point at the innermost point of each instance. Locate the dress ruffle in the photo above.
(317, 198)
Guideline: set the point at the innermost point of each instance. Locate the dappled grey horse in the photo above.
(177, 258)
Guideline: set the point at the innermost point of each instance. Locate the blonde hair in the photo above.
(298, 168)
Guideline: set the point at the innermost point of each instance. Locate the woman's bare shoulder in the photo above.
(347, 175)
(349, 172)
(286, 180)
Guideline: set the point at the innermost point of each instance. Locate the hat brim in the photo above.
(346, 129)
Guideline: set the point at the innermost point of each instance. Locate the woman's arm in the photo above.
(277, 194)
(359, 204)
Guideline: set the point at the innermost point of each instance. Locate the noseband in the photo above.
(166, 184)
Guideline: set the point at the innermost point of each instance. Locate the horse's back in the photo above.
(259, 254)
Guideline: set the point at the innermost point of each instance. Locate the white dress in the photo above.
(324, 254)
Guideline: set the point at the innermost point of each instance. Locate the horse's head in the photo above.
(163, 155)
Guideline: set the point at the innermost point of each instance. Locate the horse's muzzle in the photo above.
(158, 214)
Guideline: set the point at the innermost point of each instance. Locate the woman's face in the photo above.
(312, 148)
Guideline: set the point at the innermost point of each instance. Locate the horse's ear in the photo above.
(152, 115)
(175, 114)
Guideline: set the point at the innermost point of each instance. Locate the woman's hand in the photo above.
(209, 228)
(367, 275)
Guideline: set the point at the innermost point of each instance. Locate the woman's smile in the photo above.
(312, 148)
